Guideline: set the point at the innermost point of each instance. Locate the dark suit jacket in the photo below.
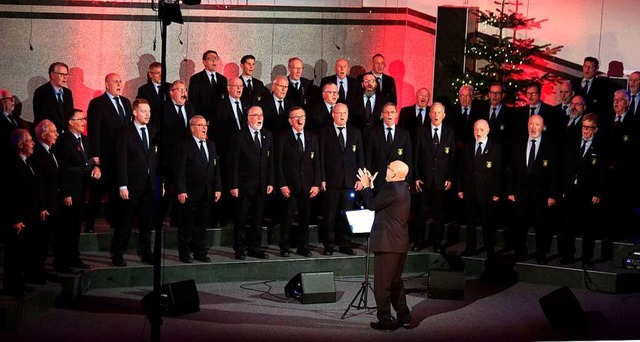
(135, 164)
(198, 178)
(318, 116)
(225, 121)
(378, 154)
(174, 132)
(434, 164)
(203, 96)
(148, 92)
(23, 195)
(103, 126)
(339, 168)
(306, 96)
(388, 87)
(46, 168)
(481, 178)
(254, 97)
(550, 115)
(251, 170)
(352, 86)
(408, 119)
(542, 181)
(295, 169)
(600, 96)
(357, 115)
(74, 165)
(392, 204)
(463, 126)
(584, 176)
(45, 106)
(623, 141)
(272, 121)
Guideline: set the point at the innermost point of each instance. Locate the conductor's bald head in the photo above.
(397, 171)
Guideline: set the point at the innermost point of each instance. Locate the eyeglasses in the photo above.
(389, 112)
(78, 119)
(495, 92)
(393, 172)
(299, 117)
(9, 98)
(258, 115)
(619, 100)
(330, 92)
(589, 127)
(532, 93)
(61, 74)
(200, 125)
(292, 68)
(179, 89)
(212, 59)
(576, 104)
(281, 86)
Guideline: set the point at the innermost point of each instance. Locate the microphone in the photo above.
(336, 45)
(154, 44)
(30, 47)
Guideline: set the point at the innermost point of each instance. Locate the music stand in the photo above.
(360, 222)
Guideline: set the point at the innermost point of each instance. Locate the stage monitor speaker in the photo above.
(564, 311)
(446, 284)
(454, 25)
(312, 288)
(177, 298)
(627, 258)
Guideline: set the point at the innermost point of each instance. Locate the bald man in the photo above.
(389, 241)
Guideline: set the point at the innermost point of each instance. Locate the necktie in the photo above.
(493, 114)
(532, 154)
(632, 105)
(341, 138)
(389, 136)
(249, 87)
(464, 114)
(239, 112)
(120, 109)
(280, 108)
(182, 118)
(256, 140)
(55, 160)
(80, 148)
(583, 148)
(379, 80)
(618, 119)
(564, 108)
(203, 152)
(331, 110)
(299, 142)
(436, 139)
(479, 150)
(532, 110)
(158, 89)
(295, 85)
(420, 118)
(60, 97)
(145, 141)
(341, 94)
(60, 103)
(213, 79)
(585, 89)
(12, 120)
(367, 108)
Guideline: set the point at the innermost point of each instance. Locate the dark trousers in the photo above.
(140, 204)
(300, 237)
(39, 245)
(247, 230)
(66, 236)
(194, 219)
(388, 287)
(582, 219)
(16, 252)
(336, 228)
(97, 189)
(530, 213)
(484, 209)
(431, 205)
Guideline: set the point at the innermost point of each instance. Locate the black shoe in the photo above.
(347, 251)
(62, 269)
(405, 322)
(542, 260)
(438, 247)
(285, 254)
(588, 264)
(80, 264)
(327, 251)
(384, 326)
(240, 256)
(119, 262)
(89, 230)
(469, 252)
(566, 260)
(417, 247)
(187, 259)
(202, 258)
(304, 253)
(258, 254)
(147, 259)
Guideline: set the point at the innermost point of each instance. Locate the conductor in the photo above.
(389, 241)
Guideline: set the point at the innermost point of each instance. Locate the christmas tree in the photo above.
(501, 56)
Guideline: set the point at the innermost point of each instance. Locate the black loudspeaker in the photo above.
(627, 258)
(454, 25)
(311, 288)
(174, 298)
(564, 311)
(446, 278)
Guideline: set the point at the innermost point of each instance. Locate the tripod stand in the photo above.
(364, 288)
